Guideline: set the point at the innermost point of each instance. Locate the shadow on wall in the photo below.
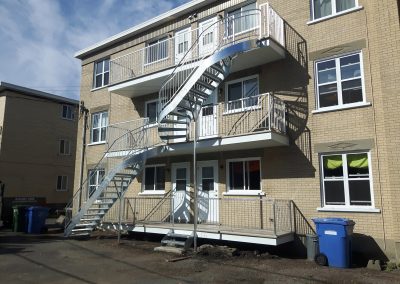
(365, 248)
(294, 89)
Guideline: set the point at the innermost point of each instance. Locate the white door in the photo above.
(183, 41)
(208, 117)
(208, 32)
(208, 202)
(180, 187)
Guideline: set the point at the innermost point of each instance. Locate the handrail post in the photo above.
(268, 20)
(274, 214)
(261, 213)
(134, 211)
(290, 215)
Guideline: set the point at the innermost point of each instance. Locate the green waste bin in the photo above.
(19, 218)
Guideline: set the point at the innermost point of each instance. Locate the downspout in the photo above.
(85, 112)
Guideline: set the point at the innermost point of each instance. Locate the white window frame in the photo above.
(242, 108)
(145, 111)
(234, 9)
(243, 191)
(63, 179)
(345, 178)
(152, 191)
(98, 181)
(153, 43)
(339, 82)
(334, 13)
(66, 149)
(69, 112)
(102, 73)
(100, 127)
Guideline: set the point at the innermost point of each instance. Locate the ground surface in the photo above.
(52, 259)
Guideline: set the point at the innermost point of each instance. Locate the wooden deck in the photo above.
(208, 231)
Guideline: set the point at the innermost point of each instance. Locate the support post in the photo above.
(119, 216)
(274, 212)
(261, 213)
(195, 185)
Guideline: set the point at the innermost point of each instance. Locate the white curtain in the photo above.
(342, 5)
(322, 8)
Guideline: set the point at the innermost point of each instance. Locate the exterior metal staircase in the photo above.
(180, 98)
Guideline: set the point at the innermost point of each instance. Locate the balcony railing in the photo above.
(246, 116)
(168, 51)
(259, 214)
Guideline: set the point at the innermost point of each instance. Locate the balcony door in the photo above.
(183, 41)
(208, 32)
(181, 191)
(208, 117)
(208, 202)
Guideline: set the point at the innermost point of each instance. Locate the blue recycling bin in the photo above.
(335, 240)
(36, 219)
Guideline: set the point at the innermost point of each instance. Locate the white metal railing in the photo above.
(168, 51)
(227, 213)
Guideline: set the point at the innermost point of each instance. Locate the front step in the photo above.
(177, 240)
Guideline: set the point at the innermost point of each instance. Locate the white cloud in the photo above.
(39, 37)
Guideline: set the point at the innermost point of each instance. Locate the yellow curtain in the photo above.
(359, 161)
(333, 162)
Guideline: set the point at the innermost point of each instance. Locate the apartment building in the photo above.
(37, 147)
(247, 118)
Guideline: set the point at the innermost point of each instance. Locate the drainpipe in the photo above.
(85, 112)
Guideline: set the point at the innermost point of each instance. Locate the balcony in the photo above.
(253, 220)
(144, 70)
(252, 122)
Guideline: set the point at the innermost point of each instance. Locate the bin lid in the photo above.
(31, 208)
(337, 221)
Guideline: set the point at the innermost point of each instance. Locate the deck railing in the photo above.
(168, 51)
(258, 213)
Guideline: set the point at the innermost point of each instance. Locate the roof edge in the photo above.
(160, 19)
(16, 88)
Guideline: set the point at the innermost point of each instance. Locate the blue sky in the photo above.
(38, 38)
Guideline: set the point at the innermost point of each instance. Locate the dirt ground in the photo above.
(50, 258)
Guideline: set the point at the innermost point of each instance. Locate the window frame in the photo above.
(155, 190)
(243, 191)
(64, 153)
(242, 108)
(347, 206)
(339, 83)
(102, 73)
(70, 112)
(157, 111)
(63, 178)
(334, 13)
(98, 181)
(101, 113)
(155, 42)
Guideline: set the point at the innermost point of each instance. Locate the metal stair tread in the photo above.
(85, 224)
(173, 121)
(82, 230)
(212, 76)
(182, 236)
(164, 129)
(173, 242)
(217, 67)
(205, 85)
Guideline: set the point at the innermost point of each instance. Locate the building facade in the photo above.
(37, 147)
(292, 104)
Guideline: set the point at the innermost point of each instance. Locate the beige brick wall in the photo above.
(293, 172)
(29, 159)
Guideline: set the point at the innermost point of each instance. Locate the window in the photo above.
(101, 73)
(340, 81)
(242, 19)
(67, 112)
(151, 111)
(95, 178)
(244, 174)
(99, 127)
(157, 50)
(325, 8)
(62, 183)
(346, 179)
(241, 93)
(154, 179)
(65, 147)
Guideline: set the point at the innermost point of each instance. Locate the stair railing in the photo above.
(131, 140)
(187, 66)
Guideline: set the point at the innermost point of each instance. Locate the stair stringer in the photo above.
(139, 158)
